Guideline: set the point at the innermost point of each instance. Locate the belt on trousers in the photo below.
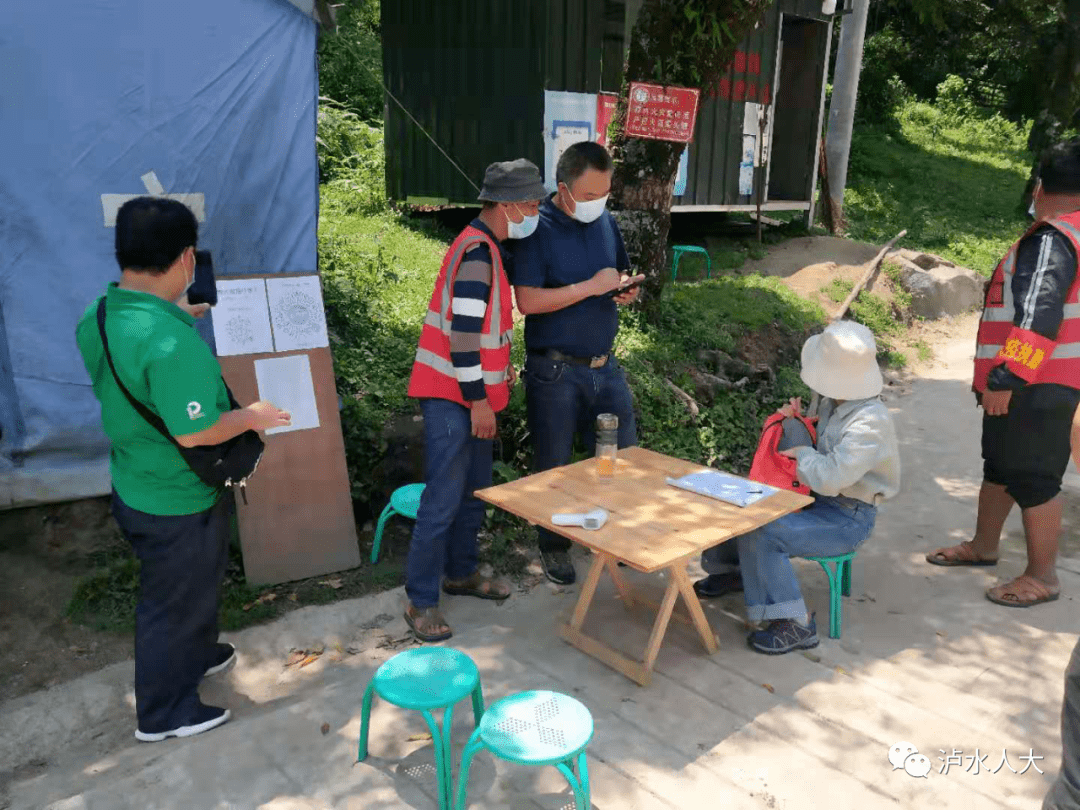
(592, 362)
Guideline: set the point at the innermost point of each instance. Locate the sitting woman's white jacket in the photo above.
(857, 454)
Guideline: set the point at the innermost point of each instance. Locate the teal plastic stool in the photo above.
(404, 501)
(677, 252)
(535, 728)
(839, 571)
(425, 679)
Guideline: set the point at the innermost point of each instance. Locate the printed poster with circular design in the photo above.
(296, 313)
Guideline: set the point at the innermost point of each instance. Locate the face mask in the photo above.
(1031, 211)
(183, 293)
(524, 229)
(588, 211)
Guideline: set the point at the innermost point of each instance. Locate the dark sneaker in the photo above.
(203, 719)
(558, 567)
(224, 657)
(783, 636)
(716, 585)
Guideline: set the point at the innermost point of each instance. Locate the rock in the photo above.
(939, 290)
(926, 261)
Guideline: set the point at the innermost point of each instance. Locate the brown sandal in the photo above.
(425, 623)
(957, 556)
(477, 585)
(1022, 586)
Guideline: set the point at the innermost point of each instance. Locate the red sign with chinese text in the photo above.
(605, 111)
(662, 113)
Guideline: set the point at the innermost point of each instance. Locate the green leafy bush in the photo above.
(881, 91)
(351, 160)
(350, 60)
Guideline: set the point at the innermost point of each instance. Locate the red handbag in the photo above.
(772, 468)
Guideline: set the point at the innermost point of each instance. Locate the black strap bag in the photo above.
(228, 464)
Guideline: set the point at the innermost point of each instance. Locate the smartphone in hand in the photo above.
(204, 289)
(624, 289)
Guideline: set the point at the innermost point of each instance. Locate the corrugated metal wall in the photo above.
(486, 103)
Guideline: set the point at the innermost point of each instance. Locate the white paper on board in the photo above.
(565, 137)
(241, 318)
(286, 382)
(297, 314)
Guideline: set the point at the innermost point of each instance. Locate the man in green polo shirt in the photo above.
(177, 525)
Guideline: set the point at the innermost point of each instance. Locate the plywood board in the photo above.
(298, 521)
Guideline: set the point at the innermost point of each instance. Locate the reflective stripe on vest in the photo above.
(487, 341)
(444, 366)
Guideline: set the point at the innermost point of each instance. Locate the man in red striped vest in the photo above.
(462, 376)
(1027, 380)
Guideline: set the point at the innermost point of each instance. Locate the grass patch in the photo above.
(953, 183)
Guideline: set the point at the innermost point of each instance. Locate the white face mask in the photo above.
(523, 229)
(588, 211)
(183, 293)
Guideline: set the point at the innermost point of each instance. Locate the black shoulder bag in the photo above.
(227, 464)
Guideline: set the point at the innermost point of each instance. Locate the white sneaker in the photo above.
(206, 718)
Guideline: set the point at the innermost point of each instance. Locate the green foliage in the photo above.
(881, 91)
(954, 99)
(952, 183)
(350, 60)
(351, 160)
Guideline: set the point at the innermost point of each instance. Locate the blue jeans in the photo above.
(183, 560)
(830, 526)
(564, 399)
(456, 465)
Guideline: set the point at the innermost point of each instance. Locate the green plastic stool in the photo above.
(676, 254)
(424, 679)
(839, 583)
(404, 501)
(535, 728)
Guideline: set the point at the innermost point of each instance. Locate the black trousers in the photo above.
(176, 621)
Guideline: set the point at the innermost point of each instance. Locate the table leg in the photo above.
(693, 606)
(626, 594)
(663, 618)
(588, 591)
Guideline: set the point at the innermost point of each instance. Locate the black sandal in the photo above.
(716, 585)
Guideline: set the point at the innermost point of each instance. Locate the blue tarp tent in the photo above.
(213, 101)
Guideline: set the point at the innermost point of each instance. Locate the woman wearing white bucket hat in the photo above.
(854, 467)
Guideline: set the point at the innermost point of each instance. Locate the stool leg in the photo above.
(440, 756)
(365, 722)
(708, 266)
(448, 764)
(478, 703)
(385, 516)
(471, 747)
(846, 578)
(834, 595)
(581, 799)
(583, 775)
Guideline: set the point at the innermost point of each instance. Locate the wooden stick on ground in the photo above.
(688, 400)
(858, 288)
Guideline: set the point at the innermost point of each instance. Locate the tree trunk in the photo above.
(1061, 102)
(676, 43)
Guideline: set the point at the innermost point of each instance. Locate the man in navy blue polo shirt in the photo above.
(569, 278)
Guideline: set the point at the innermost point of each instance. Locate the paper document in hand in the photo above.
(286, 382)
(723, 487)
(241, 318)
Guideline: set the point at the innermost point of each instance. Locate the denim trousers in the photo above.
(182, 563)
(828, 527)
(449, 518)
(1064, 794)
(564, 399)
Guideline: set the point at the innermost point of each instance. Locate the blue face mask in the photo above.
(523, 229)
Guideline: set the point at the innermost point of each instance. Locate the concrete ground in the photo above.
(924, 659)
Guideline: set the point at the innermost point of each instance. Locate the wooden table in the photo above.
(651, 527)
